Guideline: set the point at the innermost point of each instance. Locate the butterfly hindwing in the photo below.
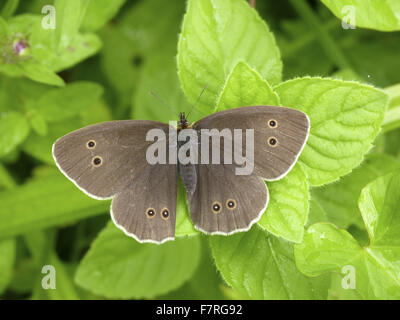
(146, 209)
(241, 200)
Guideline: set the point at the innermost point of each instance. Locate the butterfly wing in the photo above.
(287, 127)
(223, 202)
(108, 160)
(244, 198)
(154, 189)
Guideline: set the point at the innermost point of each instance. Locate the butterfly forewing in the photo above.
(279, 135)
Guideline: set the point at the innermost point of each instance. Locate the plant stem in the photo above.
(392, 116)
(324, 38)
(252, 3)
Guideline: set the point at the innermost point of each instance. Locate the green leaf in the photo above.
(373, 14)
(345, 119)
(59, 104)
(340, 200)
(262, 266)
(39, 204)
(7, 254)
(117, 266)
(159, 75)
(337, 292)
(206, 283)
(45, 57)
(288, 207)
(245, 87)
(6, 180)
(14, 128)
(40, 73)
(377, 270)
(379, 205)
(184, 225)
(99, 12)
(9, 8)
(37, 122)
(70, 14)
(40, 146)
(216, 35)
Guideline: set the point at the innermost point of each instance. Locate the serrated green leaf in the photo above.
(345, 119)
(14, 128)
(7, 254)
(377, 270)
(374, 14)
(117, 266)
(59, 104)
(99, 12)
(262, 266)
(287, 210)
(379, 205)
(216, 34)
(340, 200)
(245, 87)
(50, 201)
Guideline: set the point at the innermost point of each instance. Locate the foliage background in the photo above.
(339, 206)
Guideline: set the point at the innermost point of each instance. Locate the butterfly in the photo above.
(108, 160)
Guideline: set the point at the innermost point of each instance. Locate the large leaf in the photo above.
(288, 207)
(14, 128)
(262, 266)
(45, 202)
(99, 12)
(377, 270)
(117, 266)
(216, 34)
(374, 14)
(340, 200)
(58, 104)
(345, 119)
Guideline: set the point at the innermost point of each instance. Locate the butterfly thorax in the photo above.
(183, 123)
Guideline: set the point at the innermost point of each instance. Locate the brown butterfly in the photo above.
(108, 160)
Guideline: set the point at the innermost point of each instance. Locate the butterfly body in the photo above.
(109, 160)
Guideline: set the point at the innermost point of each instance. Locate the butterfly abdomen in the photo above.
(189, 177)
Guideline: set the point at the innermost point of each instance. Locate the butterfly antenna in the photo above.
(198, 99)
(163, 102)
